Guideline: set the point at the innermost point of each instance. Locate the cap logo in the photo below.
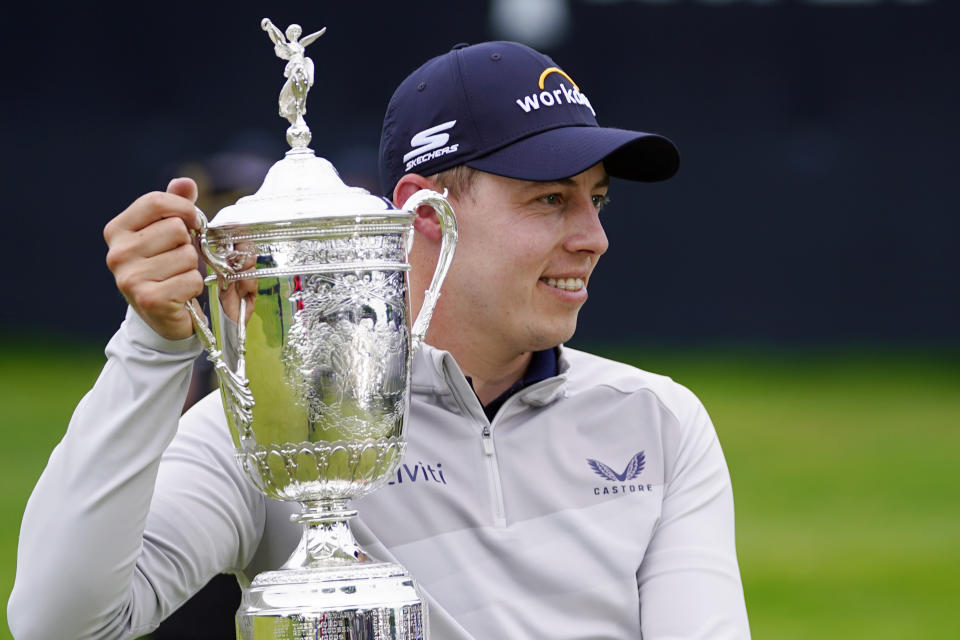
(556, 97)
(429, 144)
(549, 70)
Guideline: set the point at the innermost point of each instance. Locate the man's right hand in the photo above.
(153, 259)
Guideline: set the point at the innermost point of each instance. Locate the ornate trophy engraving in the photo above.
(314, 371)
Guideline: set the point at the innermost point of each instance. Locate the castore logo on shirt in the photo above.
(633, 469)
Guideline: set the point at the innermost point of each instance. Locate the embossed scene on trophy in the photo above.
(346, 351)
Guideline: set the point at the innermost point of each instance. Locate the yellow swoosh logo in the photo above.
(548, 71)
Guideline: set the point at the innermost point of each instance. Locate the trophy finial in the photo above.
(299, 74)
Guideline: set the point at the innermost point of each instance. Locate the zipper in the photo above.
(493, 464)
(487, 439)
(490, 454)
(493, 470)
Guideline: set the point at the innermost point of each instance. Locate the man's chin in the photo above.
(552, 337)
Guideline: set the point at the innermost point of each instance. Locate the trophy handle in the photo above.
(448, 244)
(235, 383)
(219, 264)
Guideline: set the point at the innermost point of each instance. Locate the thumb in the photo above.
(183, 187)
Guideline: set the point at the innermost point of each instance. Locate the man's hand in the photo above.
(152, 257)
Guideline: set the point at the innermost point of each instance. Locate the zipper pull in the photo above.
(487, 439)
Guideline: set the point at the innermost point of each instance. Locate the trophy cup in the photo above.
(314, 371)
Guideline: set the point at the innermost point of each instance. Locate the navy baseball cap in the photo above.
(504, 108)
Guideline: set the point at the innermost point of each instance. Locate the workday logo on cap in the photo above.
(546, 98)
(507, 109)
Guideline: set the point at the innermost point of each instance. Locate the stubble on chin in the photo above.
(540, 338)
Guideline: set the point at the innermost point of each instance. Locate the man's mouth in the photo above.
(567, 284)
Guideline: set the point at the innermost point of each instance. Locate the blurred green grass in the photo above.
(843, 463)
(41, 381)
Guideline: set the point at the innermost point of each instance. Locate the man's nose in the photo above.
(587, 234)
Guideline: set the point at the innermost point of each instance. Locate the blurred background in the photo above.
(799, 273)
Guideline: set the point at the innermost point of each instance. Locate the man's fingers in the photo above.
(133, 276)
(165, 265)
(246, 287)
(162, 302)
(149, 208)
(164, 235)
(184, 286)
(152, 256)
(183, 187)
(230, 298)
(160, 237)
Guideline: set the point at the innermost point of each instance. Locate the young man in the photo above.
(530, 531)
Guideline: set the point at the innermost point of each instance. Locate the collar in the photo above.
(437, 373)
(543, 365)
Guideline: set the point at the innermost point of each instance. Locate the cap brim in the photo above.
(566, 151)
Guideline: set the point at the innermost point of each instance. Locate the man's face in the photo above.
(524, 259)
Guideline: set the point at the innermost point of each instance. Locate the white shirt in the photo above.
(599, 506)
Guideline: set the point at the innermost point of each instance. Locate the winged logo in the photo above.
(634, 467)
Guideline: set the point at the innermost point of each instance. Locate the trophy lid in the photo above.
(301, 186)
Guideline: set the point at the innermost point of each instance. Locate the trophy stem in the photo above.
(327, 540)
(329, 588)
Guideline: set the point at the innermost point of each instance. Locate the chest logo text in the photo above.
(419, 472)
(622, 480)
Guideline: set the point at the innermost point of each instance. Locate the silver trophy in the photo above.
(312, 345)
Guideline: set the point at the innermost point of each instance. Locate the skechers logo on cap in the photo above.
(429, 144)
(556, 97)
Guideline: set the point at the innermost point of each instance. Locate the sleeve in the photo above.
(113, 540)
(689, 580)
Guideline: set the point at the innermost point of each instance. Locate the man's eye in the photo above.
(600, 201)
(551, 199)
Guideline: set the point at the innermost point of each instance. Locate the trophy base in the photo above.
(375, 601)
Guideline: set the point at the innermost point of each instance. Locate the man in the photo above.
(530, 531)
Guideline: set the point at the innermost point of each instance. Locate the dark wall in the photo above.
(816, 199)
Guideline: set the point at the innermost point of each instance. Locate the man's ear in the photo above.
(426, 223)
